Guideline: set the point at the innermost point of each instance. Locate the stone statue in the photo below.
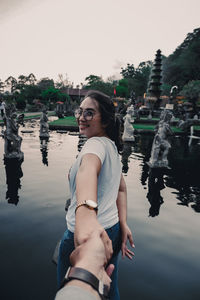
(188, 127)
(128, 127)
(44, 126)
(12, 139)
(161, 145)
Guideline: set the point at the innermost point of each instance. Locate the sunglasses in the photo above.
(88, 114)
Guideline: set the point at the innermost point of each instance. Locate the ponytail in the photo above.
(113, 130)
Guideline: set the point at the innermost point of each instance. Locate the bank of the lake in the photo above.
(29, 115)
(142, 126)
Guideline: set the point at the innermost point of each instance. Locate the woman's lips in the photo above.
(83, 126)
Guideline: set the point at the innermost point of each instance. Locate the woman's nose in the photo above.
(81, 117)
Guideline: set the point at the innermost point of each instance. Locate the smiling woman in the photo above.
(100, 200)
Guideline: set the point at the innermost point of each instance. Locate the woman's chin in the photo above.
(82, 131)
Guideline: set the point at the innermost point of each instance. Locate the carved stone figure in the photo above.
(44, 126)
(12, 139)
(128, 127)
(161, 144)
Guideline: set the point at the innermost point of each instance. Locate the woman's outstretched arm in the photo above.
(122, 211)
(86, 188)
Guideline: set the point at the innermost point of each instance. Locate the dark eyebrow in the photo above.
(87, 108)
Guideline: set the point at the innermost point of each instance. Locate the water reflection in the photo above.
(183, 177)
(13, 174)
(126, 152)
(44, 149)
(184, 173)
(155, 185)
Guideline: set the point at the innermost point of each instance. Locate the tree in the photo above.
(192, 92)
(2, 85)
(166, 88)
(21, 83)
(137, 78)
(128, 72)
(183, 65)
(92, 80)
(95, 82)
(31, 79)
(62, 82)
(122, 88)
(28, 94)
(52, 94)
(11, 83)
(45, 83)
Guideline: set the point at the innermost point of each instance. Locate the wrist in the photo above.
(84, 285)
(123, 222)
(83, 275)
(83, 210)
(89, 266)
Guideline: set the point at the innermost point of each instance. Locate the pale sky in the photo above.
(83, 37)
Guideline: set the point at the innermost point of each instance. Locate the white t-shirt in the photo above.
(108, 181)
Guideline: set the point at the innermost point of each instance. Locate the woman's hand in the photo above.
(86, 224)
(126, 235)
(92, 257)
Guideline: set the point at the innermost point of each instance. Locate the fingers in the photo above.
(123, 249)
(110, 269)
(107, 274)
(130, 237)
(107, 244)
(129, 254)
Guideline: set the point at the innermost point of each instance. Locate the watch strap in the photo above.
(88, 277)
(85, 204)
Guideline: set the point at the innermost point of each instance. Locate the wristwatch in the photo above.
(86, 276)
(89, 204)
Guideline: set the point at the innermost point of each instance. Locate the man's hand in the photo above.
(91, 255)
(86, 224)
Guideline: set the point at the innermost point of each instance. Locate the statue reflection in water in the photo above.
(44, 149)
(127, 150)
(13, 174)
(155, 185)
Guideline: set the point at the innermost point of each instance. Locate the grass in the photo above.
(152, 127)
(67, 121)
(32, 116)
(71, 121)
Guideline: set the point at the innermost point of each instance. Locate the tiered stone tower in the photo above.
(154, 89)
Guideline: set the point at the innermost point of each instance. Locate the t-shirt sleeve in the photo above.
(95, 146)
(74, 293)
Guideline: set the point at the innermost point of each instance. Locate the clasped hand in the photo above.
(91, 255)
(85, 226)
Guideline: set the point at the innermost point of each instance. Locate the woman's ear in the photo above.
(104, 125)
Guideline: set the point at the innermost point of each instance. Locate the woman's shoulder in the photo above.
(100, 140)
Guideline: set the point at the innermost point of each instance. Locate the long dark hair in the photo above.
(108, 117)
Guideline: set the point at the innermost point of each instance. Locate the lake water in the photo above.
(163, 213)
